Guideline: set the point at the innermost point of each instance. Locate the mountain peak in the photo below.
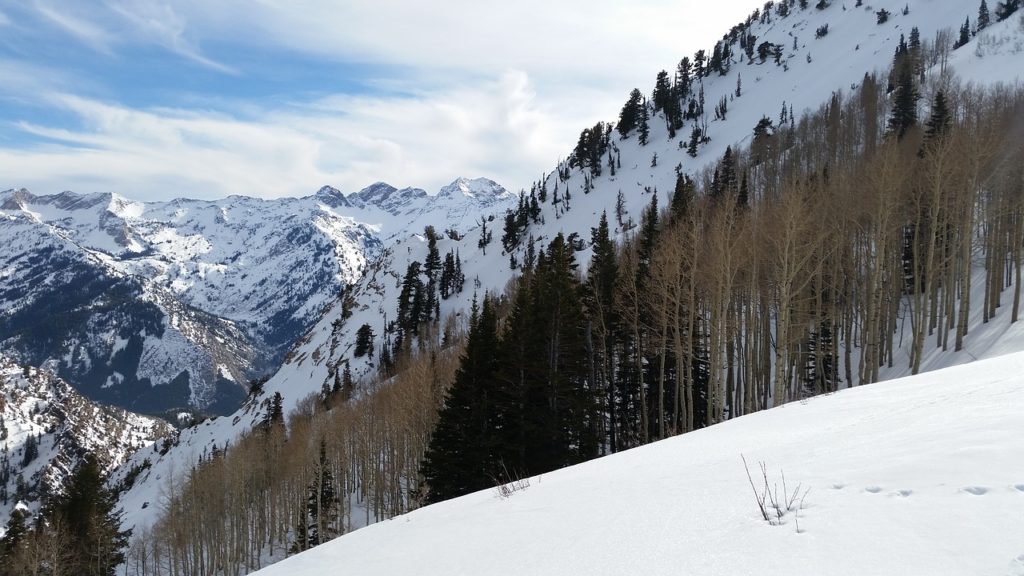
(386, 197)
(483, 189)
(332, 197)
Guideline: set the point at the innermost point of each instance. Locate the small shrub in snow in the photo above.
(772, 505)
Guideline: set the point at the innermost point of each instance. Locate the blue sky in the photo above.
(154, 99)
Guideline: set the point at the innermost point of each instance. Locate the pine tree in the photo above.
(364, 342)
(940, 120)
(965, 35)
(411, 308)
(630, 113)
(904, 112)
(662, 92)
(643, 124)
(13, 540)
(460, 457)
(984, 19)
(275, 417)
(95, 542)
(30, 451)
(1006, 8)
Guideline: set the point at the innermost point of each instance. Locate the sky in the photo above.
(156, 100)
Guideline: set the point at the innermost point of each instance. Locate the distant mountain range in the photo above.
(168, 306)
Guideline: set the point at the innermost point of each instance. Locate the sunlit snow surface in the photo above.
(922, 475)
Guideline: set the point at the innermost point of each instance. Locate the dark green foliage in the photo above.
(30, 451)
(1006, 8)
(630, 114)
(92, 539)
(412, 301)
(452, 279)
(461, 456)
(13, 540)
(643, 125)
(939, 122)
(984, 19)
(364, 341)
(965, 35)
(590, 148)
(521, 404)
(485, 236)
(904, 110)
(275, 416)
(883, 16)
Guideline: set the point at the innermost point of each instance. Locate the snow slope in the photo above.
(921, 475)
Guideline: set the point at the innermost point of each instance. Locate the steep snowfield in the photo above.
(921, 475)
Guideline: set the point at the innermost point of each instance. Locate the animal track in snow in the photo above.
(873, 489)
(976, 490)
(1019, 487)
(902, 493)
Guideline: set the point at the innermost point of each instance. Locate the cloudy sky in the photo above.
(157, 99)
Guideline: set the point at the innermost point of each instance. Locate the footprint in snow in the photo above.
(976, 490)
(1017, 566)
(1019, 487)
(838, 486)
(873, 489)
(902, 493)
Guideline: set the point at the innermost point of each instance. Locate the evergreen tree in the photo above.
(984, 19)
(30, 451)
(275, 417)
(904, 112)
(940, 120)
(1006, 8)
(94, 540)
(642, 124)
(13, 540)
(320, 514)
(461, 457)
(965, 35)
(364, 342)
(662, 92)
(411, 308)
(630, 113)
(485, 236)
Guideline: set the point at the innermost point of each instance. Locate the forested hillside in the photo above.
(728, 245)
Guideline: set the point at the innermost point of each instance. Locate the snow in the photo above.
(921, 475)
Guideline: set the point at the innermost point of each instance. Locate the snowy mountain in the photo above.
(176, 305)
(45, 429)
(808, 72)
(919, 475)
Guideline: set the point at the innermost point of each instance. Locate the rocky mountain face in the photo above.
(46, 427)
(169, 306)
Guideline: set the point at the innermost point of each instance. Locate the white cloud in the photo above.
(83, 29)
(481, 88)
(496, 129)
(4, 20)
(159, 23)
